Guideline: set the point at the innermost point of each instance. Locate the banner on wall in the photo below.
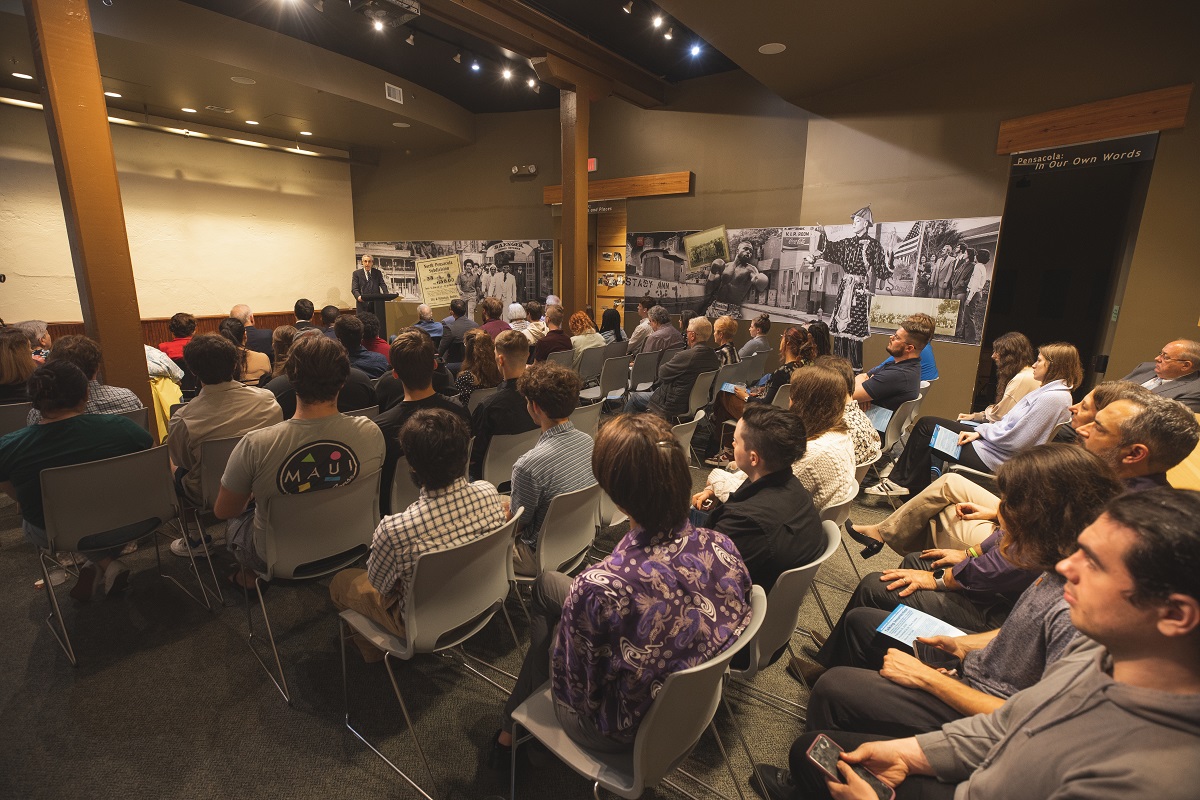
(866, 280)
(438, 279)
(512, 270)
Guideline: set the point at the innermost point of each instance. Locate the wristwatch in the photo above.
(938, 575)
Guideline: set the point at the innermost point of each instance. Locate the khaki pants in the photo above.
(351, 589)
(929, 520)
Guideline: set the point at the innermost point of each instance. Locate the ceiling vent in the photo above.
(393, 93)
(219, 109)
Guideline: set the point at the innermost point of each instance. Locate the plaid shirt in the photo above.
(101, 400)
(443, 518)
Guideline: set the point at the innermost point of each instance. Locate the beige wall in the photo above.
(210, 225)
(919, 143)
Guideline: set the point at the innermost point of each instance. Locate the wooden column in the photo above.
(64, 49)
(574, 114)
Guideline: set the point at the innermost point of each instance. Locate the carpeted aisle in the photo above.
(168, 701)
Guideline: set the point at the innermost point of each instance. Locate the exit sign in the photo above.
(591, 165)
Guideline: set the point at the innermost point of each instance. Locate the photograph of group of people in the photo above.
(512, 270)
(858, 278)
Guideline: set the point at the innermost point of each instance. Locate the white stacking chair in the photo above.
(678, 717)
(452, 595)
(684, 432)
(309, 536)
(139, 415)
(587, 418)
(591, 362)
(214, 456)
(370, 412)
(730, 373)
(132, 492)
(861, 470)
(614, 376)
(503, 452)
(838, 515)
(753, 367)
(567, 533)
(614, 349)
(13, 416)
(644, 371)
(895, 430)
(562, 357)
(699, 396)
(478, 396)
(783, 398)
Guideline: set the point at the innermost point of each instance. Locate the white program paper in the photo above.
(880, 417)
(906, 624)
(945, 441)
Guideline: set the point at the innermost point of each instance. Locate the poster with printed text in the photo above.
(438, 278)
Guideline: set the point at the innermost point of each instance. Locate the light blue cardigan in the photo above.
(1029, 423)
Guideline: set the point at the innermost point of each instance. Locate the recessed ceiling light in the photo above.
(531, 83)
(401, 125)
(658, 21)
(188, 110)
(772, 48)
(22, 76)
(112, 94)
(306, 133)
(243, 80)
(475, 66)
(251, 122)
(507, 73)
(378, 25)
(695, 49)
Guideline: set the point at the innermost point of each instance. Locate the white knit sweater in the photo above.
(826, 471)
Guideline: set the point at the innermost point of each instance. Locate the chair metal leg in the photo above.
(60, 633)
(511, 629)
(850, 558)
(343, 635)
(517, 590)
(506, 690)
(738, 730)
(205, 590)
(281, 681)
(775, 701)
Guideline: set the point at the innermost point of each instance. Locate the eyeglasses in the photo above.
(1166, 357)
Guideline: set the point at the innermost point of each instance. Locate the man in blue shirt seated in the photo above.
(898, 381)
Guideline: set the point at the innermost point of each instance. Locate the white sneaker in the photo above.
(181, 546)
(116, 577)
(886, 488)
(130, 548)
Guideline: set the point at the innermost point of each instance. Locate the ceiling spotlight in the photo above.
(668, 34)
(531, 82)
(475, 66)
(457, 58)
(378, 25)
(22, 76)
(658, 21)
(628, 7)
(112, 94)
(507, 73)
(251, 122)
(410, 40)
(306, 133)
(695, 49)
(188, 110)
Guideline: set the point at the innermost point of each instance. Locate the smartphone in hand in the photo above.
(824, 752)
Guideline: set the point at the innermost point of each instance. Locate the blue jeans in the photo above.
(638, 401)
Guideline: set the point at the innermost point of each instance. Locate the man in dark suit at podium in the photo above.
(1174, 373)
(367, 281)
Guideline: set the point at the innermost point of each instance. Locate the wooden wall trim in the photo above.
(155, 329)
(634, 186)
(1158, 110)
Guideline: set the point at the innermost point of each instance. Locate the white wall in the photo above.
(209, 224)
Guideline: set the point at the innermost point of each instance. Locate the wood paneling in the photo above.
(1158, 110)
(155, 330)
(635, 186)
(610, 229)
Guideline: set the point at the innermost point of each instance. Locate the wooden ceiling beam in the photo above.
(515, 26)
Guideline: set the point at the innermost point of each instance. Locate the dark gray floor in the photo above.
(168, 701)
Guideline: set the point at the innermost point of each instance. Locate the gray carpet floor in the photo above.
(168, 701)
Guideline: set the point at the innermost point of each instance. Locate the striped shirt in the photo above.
(442, 518)
(101, 400)
(560, 462)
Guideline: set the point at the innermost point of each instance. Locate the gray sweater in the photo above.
(1075, 734)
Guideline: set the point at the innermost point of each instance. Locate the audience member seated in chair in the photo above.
(427, 323)
(770, 517)
(663, 334)
(554, 340)
(449, 512)
(668, 597)
(583, 336)
(316, 450)
(637, 339)
(671, 392)
(560, 462)
(760, 326)
(1107, 720)
(724, 331)
(16, 365)
(986, 447)
(1014, 358)
(252, 365)
(504, 413)
(182, 327)
(329, 315)
(371, 340)
(1016, 620)
(899, 380)
(357, 393)
(867, 446)
(85, 354)
(413, 362)
(303, 311)
(349, 332)
(67, 435)
(826, 469)
(257, 339)
(224, 408)
(1174, 373)
(493, 317)
(451, 346)
(478, 370)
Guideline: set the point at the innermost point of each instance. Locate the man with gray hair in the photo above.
(1174, 373)
(662, 333)
(671, 391)
(38, 335)
(256, 338)
(1141, 435)
(427, 323)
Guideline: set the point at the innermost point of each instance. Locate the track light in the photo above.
(658, 21)
(531, 82)
(668, 34)
(628, 7)
(410, 40)
(457, 58)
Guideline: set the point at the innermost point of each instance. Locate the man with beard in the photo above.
(894, 382)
